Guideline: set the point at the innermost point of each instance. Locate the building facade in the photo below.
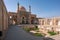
(22, 16)
(50, 24)
(3, 19)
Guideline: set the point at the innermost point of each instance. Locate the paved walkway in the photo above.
(56, 37)
(17, 33)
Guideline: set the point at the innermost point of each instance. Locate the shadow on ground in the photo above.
(47, 38)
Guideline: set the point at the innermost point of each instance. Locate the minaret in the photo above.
(18, 7)
(29, 8)
(18, 13)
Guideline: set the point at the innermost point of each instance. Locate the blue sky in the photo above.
(42, 8)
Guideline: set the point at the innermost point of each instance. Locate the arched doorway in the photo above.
(50, 22)
(1, 34)
(58, 22)
(27, 22)
(32, 21)
(14, 20)
(23, 20)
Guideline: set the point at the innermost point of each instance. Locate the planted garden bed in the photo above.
(52, 33)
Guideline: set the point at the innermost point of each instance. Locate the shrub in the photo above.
(52, 33)
(27, 29)
(36, 28)
(38, 34)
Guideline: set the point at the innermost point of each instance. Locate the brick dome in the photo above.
(21, 8)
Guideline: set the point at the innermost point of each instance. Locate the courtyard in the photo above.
(17, 33)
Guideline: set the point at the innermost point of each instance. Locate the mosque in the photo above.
(22, 16)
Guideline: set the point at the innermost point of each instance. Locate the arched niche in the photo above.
(59, 22)
(50, 22)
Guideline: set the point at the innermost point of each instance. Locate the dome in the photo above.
(21, 8)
